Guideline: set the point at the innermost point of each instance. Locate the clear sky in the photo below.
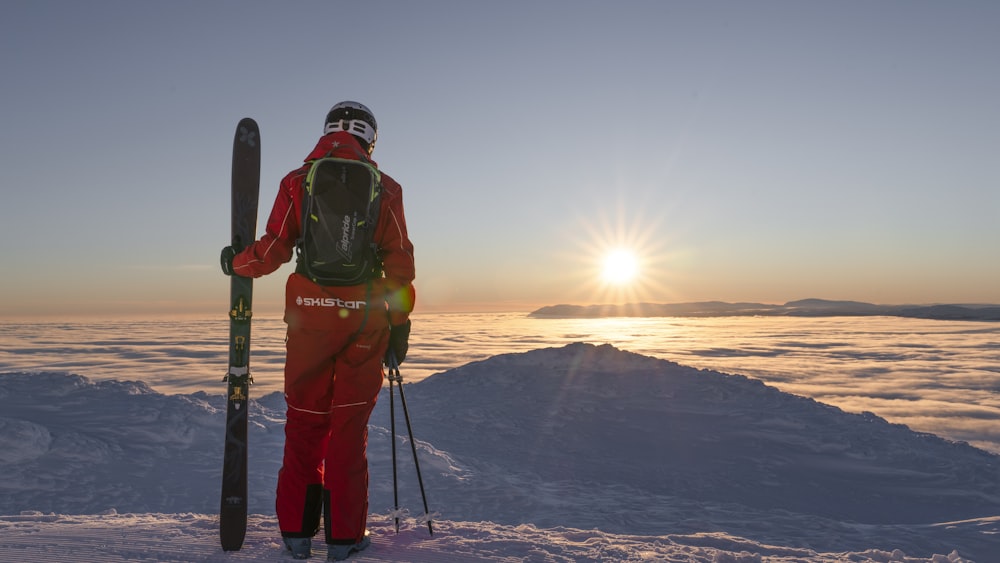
(743, 150)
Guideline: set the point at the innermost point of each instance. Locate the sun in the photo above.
(618, 252)
(620, 267)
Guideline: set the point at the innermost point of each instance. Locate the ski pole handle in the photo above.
(393, 366)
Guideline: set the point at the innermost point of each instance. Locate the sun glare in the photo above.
(621, 253)
(620, 267)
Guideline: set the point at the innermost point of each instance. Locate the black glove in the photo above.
(399, 342)
(228, 253)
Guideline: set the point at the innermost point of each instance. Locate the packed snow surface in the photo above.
(579, 453)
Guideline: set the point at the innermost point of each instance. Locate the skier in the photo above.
(337, 339)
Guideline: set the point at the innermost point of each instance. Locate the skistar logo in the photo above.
(328, 302)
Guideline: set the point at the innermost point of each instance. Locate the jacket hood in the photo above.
(340, 144)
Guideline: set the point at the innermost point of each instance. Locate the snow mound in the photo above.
(558, 454)
(84, 446)
(609, 418)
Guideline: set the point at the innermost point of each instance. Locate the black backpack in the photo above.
(340, 209)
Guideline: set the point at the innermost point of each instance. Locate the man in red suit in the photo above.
(337, 339)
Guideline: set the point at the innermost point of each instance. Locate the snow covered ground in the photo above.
(578, 453)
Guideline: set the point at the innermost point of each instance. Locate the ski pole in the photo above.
(394, 375)
(392, 431)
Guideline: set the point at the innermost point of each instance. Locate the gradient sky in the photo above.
(746, 151)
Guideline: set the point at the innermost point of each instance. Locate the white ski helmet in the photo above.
(356, 119)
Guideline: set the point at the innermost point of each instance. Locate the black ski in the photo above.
(245, 188)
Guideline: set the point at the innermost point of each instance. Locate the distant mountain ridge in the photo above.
(801, 308)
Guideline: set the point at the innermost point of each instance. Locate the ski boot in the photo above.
(341, 552)
(301, 548)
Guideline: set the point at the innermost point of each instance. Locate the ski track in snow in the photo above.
(580, 453)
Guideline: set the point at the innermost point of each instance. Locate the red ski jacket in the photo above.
(307, 304)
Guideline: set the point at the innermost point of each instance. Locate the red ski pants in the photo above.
(332, 380)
